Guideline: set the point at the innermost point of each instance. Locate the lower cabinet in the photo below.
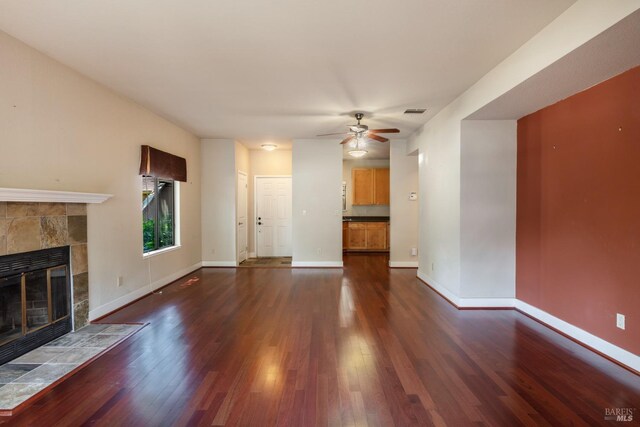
(365, 236)
(357, 235)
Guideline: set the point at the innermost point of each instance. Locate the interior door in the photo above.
(241, 222)
(273, 216)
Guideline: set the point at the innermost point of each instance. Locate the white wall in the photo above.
(63, 131)
(488, 209)
(439, 140)
(317, 203)
(404, 212)
(277, 162)
(347, 166)
(218, 198)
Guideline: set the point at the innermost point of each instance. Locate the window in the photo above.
(158, 213)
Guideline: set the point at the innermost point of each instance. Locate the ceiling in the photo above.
(281, 69)
(376, 150)
(606, 55)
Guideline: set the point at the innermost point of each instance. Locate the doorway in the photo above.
(242, 217)
(273, 200)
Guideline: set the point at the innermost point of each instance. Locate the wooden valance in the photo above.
(158, 163)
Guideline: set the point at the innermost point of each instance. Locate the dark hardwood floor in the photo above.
(361, 346)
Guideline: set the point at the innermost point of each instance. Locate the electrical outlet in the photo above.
(620, 320)
(119, 281)
(414, 251)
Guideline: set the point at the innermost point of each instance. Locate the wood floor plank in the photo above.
(365, 345)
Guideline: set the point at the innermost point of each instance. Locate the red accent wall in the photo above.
(578, 209)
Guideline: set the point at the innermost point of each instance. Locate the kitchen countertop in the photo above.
(365, 218)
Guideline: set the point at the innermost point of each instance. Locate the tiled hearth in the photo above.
(27, 226)
(29, 374)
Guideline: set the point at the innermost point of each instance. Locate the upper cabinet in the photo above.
(381, 186)
(370, 186)
(362, 180)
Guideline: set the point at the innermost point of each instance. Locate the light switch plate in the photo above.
(620, 320)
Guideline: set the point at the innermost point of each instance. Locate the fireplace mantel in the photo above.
(28, 195)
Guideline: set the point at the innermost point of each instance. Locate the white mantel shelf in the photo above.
(27, 195)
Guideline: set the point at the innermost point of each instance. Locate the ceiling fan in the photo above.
(360, 131)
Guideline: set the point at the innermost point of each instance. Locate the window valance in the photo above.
(160, 164)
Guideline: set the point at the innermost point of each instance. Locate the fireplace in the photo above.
(35, 300)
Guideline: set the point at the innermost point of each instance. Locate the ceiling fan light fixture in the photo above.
(357, 152)
(269, 147)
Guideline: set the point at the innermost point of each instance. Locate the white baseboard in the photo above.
(446, 293)
(140, 292)
(613, 351)
(403, 264)
(318, 264)
(486, 302)
(117, 303)
(610, 350)
(219, 264)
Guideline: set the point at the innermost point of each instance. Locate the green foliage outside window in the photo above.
(148, 234)
(166, 231)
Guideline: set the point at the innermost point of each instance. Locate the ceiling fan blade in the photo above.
(347, 139)
(331, 134)
(377, 138)
(384, 130)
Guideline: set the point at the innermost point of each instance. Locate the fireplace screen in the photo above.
(59, 293)
(35, 300)
(32, 300)
(10, 308)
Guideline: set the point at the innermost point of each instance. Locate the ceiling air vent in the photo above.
(415, 110)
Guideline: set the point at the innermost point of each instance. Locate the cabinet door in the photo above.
(345, 235)
(362, 181)
(377, 235)
(357, 236)
(388, 236)
(380, 186)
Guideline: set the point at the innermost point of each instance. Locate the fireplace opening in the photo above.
(35, 300)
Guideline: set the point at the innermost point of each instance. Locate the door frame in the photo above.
(255, 206)
(246, 229)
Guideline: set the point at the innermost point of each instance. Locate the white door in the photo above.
(241, 222)
(273, 216)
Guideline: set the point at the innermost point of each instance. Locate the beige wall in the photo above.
(317, 203)
(347, 166)
(218, 200)
(261, 162)
(63, 131)
(404, 212)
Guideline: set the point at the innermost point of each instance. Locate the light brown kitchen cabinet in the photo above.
(370, 186)
(366, 236)
(357, 235)
(377, 235)
(345, 235)
(362, 180)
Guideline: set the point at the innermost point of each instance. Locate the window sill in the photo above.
(160, 251)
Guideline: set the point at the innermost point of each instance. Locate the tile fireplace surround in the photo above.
(30, 226)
